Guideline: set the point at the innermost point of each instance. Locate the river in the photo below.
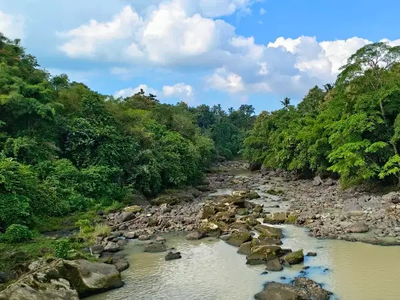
(210, 269)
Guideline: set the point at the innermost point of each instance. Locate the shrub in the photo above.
(62, 249)
(17, 233)
(102, 230)
(85, 226)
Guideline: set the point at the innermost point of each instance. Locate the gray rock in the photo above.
(358, 228)
(125, 216)
(317, 181)
(130, 235)
(301, 289)
(112, 247)
(121, 265)
(245, 248)
(173, 255)
(3, 277)
(160, 239)
(97, 249)
(195, 235)
(274, 265)
(311, 254)
(143, 237)
(392, 197)
(154, 248)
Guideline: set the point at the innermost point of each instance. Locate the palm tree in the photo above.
(286, 102)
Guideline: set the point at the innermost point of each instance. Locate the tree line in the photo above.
(65, 148)
(349, 129)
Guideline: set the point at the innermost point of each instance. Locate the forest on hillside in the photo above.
(65, 148)
(349, 129)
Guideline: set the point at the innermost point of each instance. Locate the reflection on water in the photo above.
(211, 269)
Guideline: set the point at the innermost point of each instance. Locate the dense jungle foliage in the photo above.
(349, 129)
(65, 148)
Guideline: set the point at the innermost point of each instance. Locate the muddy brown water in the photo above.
(210, 269)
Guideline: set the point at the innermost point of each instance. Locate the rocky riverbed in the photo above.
(243, 208)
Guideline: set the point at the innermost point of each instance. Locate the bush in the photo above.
(62, 249)
(17, 233)
(102, 230)
(85, 226)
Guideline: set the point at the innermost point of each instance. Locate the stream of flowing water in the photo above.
(210, 269)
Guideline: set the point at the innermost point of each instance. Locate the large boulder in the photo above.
(262, 254)
(61, 280)
(294, 258)
(239, 237)
(358, 228)
(300, 289)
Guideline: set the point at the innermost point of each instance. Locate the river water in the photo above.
(210, 269)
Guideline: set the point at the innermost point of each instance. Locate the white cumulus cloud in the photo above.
(11, 26)
(186, 34)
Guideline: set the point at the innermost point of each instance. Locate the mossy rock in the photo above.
(276, 218)
(292, 219)
(239, 226)
(242, 211)
(268, 231)
(251, 221)
(237, 238)
(275, 192)
(263, 254)
(245, 248)
(227, 217)
(210, 229)
(252, 195)
(208, 211)
(133, 209)
(258, 209)
(294, 257)
(171, 200)
(265, 240)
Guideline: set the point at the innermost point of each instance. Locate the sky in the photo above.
(230, 52)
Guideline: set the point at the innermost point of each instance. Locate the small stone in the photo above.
(311, 254)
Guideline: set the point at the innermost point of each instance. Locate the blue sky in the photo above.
(200, 51)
